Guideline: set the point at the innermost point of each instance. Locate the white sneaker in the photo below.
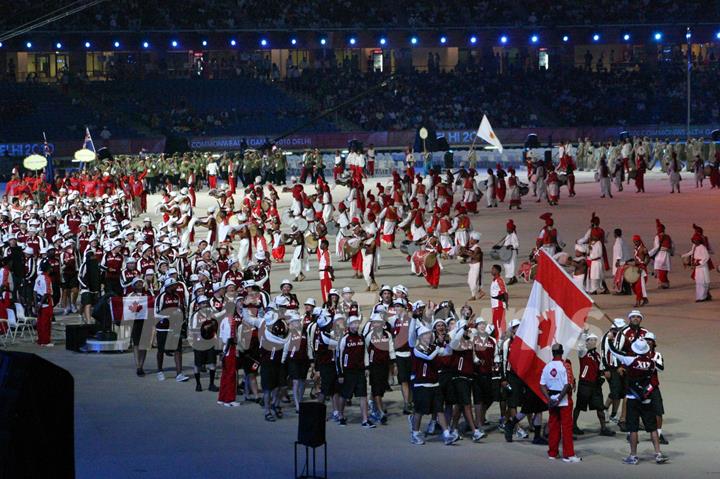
(431, 428)
(160, 376)
(478, 435)
(521, 433)
(416, 438)
(74, 309)
(335, 416)
(572, 459)
(449, 438)
(181, 378)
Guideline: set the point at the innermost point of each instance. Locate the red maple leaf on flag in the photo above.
(135, 307)
(546, 325)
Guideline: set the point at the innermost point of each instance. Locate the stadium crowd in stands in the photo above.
(198, 14)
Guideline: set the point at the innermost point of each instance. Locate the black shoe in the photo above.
(540, 441)
(662, 440)
(213, 388)
(384, 419)
(342, 421)
(198, 388)
(509, 430)
(621, 426)
(578, 431)
(607, 432)
(140, 372)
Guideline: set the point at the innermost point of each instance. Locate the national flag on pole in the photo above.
(555, 313)
(88, 143)
(130, 308)
(49, 169)
(486, 132)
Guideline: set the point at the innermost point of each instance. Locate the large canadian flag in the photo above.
(130, 308)
(555, 313)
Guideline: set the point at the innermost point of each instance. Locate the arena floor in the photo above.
(129, 427)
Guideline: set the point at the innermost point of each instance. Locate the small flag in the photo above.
(486, 132)
(130, 308)
(556, 312)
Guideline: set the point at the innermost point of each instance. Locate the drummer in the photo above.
(429, 254)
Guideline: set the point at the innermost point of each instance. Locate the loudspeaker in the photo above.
(76, 335)
(311, 424)
(37, 437)
(715, 135)
(532, 141)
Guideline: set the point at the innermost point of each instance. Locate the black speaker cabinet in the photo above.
(37, 429)
(76, 335)
(311, 424)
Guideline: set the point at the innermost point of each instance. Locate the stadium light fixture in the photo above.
(473, 39)
(1, 44)
(596, 38)
(58, 46)
(293, 41)
(443, 39)
(263, 42)
(323, 41)
(174, 43)
(146, 45)
(626, 37)
(28, 45)
(352, 41)
(87, 44)
(414, 40)
(383, 41)
(116, 44)
(657, 36)
(717, 35)
(566, 38)
(503, 39)
(204, 43)
(688, 35)
(233, 42)
(534, 39)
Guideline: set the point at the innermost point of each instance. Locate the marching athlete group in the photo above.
(208, 279)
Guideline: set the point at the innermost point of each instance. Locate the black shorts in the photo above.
(205, 357)
(482, 389)
(589, 396)
(88, 299)
(514, 395)
(657, 401)
(462, 387)
(298, 369)
(354, 384)
(71, 282)
(496, 392)
(249, 364)
(161, 337)
(446, 391)
(136, 333)
(272, 375)
(379, 378)
(328, 379)
(617, 385)
(531, 402)
(404, 369)
(427, 400)
(636, 410)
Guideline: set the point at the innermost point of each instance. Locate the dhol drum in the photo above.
(631, 274)
(422, 260)
(286, 216)
(562, 179)
(482, 186)
(311, 242)
(494, 254)
(524, 190)
(632, 175)
(350, 246)
(332, 228)
(707, 171)
(505, 254)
